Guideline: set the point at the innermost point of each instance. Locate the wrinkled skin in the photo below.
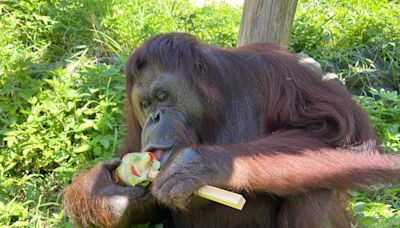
(168, 111)
(173, 115)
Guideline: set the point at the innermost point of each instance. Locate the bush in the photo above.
(380, 208)
(383, 109)
(65, 118)
(360, 38)
(215, 24)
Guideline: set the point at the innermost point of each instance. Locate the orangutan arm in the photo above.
(284, 163)
(291, 162)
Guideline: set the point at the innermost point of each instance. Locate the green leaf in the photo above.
(82, 148)
(86, 125)
(105, 142)
(359, 206)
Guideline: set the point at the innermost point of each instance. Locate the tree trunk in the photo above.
(267, 21)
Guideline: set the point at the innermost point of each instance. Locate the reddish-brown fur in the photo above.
(305, 144)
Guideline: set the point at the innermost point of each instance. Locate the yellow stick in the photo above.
(218, 195)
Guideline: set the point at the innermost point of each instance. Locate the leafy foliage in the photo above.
(216, 24)
(360, 38)
(381, 208)
(56, 123)
(383, 109)
(62, 87)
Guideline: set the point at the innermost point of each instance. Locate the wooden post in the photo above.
(267, 21)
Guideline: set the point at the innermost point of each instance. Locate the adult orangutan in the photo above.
(250, 119)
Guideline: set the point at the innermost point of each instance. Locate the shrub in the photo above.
(360, 38)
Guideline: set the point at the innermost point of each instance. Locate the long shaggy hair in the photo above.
(292, 143)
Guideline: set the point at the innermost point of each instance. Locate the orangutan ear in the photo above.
(201, 67)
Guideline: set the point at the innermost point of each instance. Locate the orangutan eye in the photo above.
(145, 104)
(161, 96)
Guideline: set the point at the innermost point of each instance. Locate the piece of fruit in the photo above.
(134, 168)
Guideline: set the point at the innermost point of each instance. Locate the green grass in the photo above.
(62, 85)
(380, 208)
(361, 39)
